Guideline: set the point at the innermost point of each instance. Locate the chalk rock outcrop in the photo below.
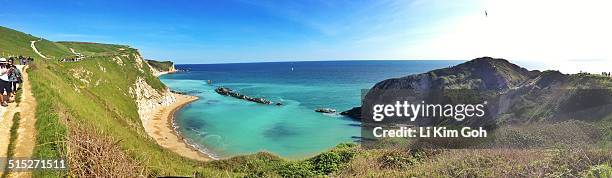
(148, 99)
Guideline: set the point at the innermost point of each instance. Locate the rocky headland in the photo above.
(518, 95)
(161, 67)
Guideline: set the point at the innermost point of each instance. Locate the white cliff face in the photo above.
(158, 73)
(140, 63)
(148, 99)
(118, 60)
(172, 69)
(83, 75)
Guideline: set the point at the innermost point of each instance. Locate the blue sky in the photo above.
(247, 30)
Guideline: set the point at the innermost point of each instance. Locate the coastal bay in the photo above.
(227, 126)
(161, 128)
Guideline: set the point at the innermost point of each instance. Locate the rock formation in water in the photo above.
(325, 110)
(229, 92)
(354, 113)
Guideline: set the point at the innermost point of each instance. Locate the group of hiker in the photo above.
(10, 78)
(70, 60)
(23, 60)
(76, 58)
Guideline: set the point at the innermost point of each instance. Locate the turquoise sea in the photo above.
(225, 126)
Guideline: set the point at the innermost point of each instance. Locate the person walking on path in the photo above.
(4, 82)
(14, 77)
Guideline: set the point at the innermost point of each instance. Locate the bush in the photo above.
(346, 154)
(326, 163)
(345, 145)
(331, 161)
(396, 160)
(296, 169)
(603, 170)
(256, 165)
(268, 165)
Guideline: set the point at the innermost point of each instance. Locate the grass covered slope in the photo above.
(16, 43)
(78, 101)
(93, 96)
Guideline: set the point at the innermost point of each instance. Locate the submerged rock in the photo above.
(229, 92)
(178, 92)
(325, 110)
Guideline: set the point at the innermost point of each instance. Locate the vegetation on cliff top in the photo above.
(96, 49)
(161, 65)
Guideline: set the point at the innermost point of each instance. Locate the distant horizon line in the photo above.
(566, 67)
(342, 60)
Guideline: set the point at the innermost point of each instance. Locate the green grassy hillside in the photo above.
(99, 103)
(91, 96)
(16, 43)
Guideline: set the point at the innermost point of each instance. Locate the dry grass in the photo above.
(90, 154)
(477, 163)
(571, 134)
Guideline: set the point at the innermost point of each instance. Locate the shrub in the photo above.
(257, 165)
(326, 162)
(296, 169)
(396, 160)
(515, 138)
(603, 170)
(346, 145)
(346, 154)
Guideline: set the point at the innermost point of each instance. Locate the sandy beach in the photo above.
(160, 127)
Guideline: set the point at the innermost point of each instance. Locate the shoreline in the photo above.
(157, 74)
(161, 129)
